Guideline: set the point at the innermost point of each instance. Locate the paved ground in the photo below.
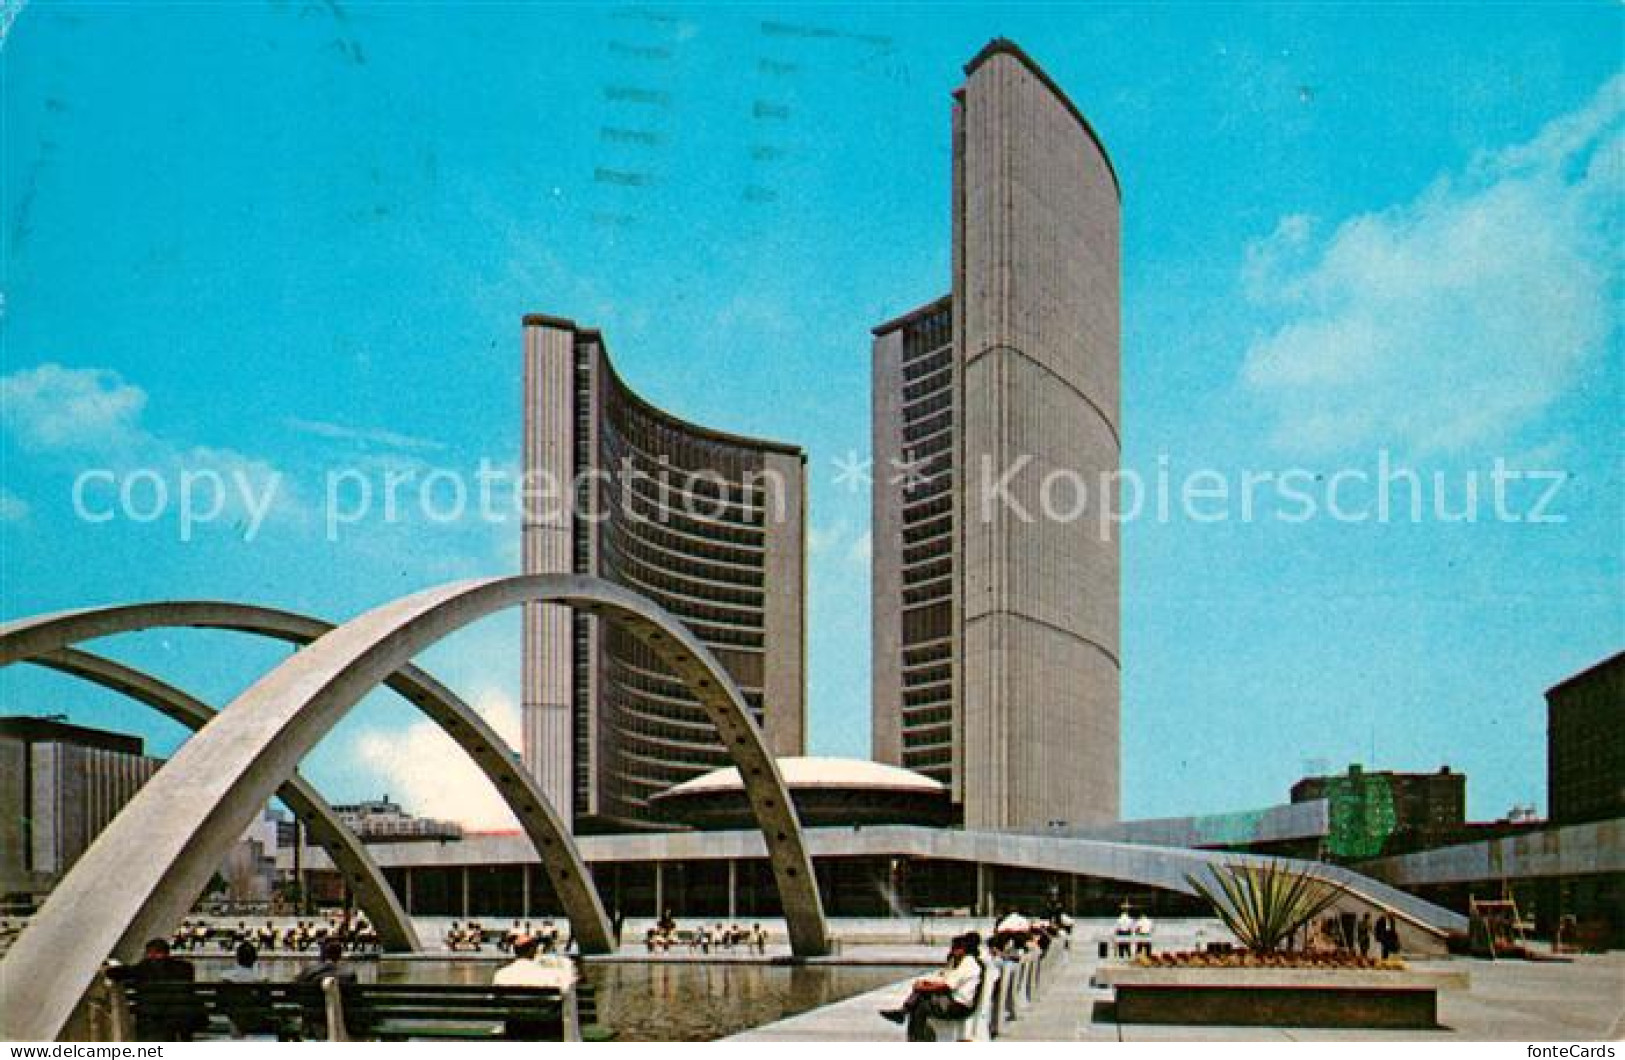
(1507, 1001)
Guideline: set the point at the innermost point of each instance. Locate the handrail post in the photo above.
(333, 1006)
(121, 1023)
(572, 1014)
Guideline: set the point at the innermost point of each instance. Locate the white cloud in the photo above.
(362, 435)
(820, 539)
(1457, 318)
(426, 772)
(840, 543)
(861, 549)
(93, 417)
(12, 507)
(52, 407)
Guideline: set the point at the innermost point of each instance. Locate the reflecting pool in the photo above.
(661, 1001)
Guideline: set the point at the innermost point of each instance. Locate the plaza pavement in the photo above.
(1507, 1001)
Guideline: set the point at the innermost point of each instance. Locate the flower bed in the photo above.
(1248, 959)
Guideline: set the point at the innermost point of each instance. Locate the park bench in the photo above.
(335, 1011)
(175, 1010)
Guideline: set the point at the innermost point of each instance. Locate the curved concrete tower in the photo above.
(995, 598)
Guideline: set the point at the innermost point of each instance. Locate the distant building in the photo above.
(1381, 813)
(60, 785)
(383, 821)
(828, 792)
(1585, 744)
(708, 525)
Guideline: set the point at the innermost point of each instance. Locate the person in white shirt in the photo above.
(1125, 932)
(247, 969)
(547, 972)
(948, 995)
(1142, 933)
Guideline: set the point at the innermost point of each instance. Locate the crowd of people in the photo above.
(1335, 934)
(665, 936)
(951, 993)
(473, 936)
(355, 935)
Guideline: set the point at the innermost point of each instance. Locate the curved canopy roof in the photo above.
(812, 772)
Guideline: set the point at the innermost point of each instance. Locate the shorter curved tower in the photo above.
(709, 525)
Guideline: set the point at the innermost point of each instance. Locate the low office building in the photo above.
(60, 785)
(1378, 813)
(1585, 744)
(383, 821)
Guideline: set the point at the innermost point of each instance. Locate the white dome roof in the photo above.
(816, 773)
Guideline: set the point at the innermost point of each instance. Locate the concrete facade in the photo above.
(60, 785)
(709, 525)
(996, 580)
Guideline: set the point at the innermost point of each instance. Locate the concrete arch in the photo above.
(166, 842)
(28, 638)
(373, 894)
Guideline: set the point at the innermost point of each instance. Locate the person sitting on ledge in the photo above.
(948, 995)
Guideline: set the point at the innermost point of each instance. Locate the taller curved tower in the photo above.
(996, 664)
(707, 524)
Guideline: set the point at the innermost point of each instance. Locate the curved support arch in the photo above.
(366, 880)
(162, 857)
(560, 857)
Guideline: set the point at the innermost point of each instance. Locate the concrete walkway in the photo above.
(1507, 1001)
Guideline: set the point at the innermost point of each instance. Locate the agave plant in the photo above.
(1263, 903)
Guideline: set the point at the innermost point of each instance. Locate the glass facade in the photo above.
(924, 477)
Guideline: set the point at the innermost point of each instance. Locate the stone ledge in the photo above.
(1279, 997)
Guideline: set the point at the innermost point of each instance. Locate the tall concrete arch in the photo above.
(29, 638)
(366, 880)
(166, 842)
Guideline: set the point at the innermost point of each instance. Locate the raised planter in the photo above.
(1279, 997)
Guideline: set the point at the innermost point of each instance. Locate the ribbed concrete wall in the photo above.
(784, 665)
(549, 433)
(886, 548)
(1036, 299)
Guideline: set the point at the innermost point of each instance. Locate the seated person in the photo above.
(331, 966)
(948, 995)
(249, 1014)
(247, 969)
(547, 971)
(157, 965)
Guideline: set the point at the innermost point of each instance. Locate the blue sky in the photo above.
(283, 239)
